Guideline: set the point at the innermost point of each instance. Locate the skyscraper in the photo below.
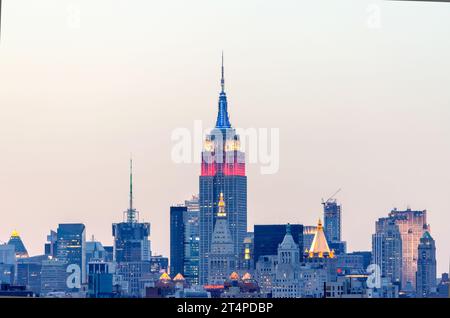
(222, 259)
(387, 249)
(332, 220)
(412, 225)
(72, 246)
(192, 241)
(184, 240)
(426, 266)
(177, 214)
(131, 243)
(222, 171)
(20, 249)
(333, 225)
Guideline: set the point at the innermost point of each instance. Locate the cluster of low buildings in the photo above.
(296, 261)
(278, 261)
(71, 266)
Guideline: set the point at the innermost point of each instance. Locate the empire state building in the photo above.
(222, 171)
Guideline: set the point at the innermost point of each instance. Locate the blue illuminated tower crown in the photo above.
(223, 120)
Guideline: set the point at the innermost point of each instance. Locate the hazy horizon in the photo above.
(361, 101)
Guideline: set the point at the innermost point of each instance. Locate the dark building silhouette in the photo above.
(72, 246)
(29, 272)
(426, 267)
(177, 230)
(268, 237)
(184, 240)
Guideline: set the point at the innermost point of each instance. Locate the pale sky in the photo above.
(362, 104)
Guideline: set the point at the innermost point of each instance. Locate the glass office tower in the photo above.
(72, 246)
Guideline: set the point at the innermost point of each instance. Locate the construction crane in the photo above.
(331, 197)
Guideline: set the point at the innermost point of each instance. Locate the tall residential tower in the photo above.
(332, 214)
(387, 249)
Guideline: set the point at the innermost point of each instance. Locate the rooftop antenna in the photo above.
(131, 213)
(222, 80)
(131, 183)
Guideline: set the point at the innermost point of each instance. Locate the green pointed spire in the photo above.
(288, 228)
(426, 235)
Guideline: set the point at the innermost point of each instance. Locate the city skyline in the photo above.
(65, 158)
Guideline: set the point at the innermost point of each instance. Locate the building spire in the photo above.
(222, 81)
(131, 183)
(319, 224)
(131, 214)
(221, 205)
(319, 247)
(288, 228)
(223, 120)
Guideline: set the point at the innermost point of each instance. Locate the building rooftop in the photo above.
(319, 246)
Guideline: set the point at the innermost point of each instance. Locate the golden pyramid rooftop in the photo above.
(15, 234)
(178, 278)
(234, 276)
(164, 276)
(247, 276)
(319, 246)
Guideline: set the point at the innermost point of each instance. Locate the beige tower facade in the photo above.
(412, 226)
